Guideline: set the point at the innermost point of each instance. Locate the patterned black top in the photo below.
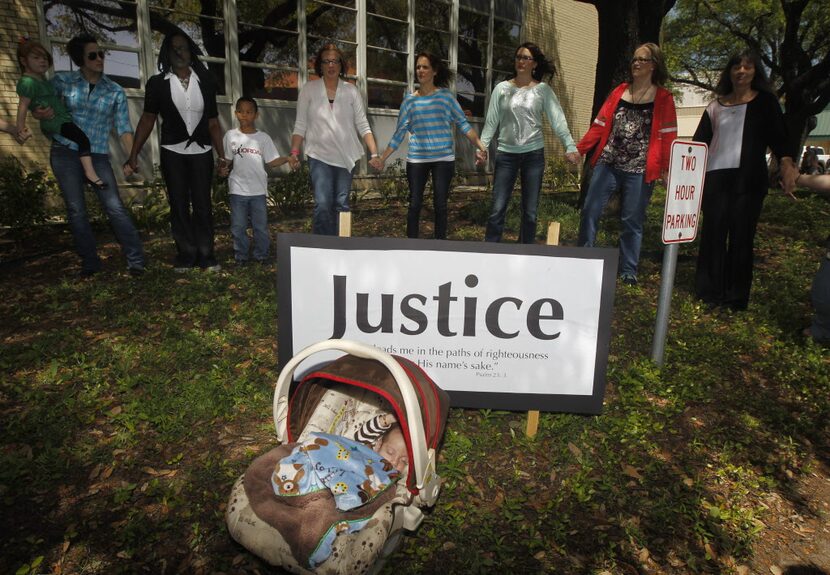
(627, 144)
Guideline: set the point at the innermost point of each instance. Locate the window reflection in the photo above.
(392, 8)
(432, 41)
(331, 21)
(385, 33)
(385, 95)
(386, 65)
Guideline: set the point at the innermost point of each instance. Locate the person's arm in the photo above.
(556, 117)
(460, 120)
(599, 125)
(142, 132)
(666, 131)
(215, 130)
(296, 147)
(127, 145)
(22, 110)
(397, 138)
(278, 161)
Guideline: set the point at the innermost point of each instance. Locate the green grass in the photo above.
(129, 408)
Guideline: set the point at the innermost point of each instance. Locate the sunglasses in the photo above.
(92, 56)
(329, 62)
(641, 60)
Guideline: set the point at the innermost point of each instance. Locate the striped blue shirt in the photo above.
(93, 112)
(429, 121)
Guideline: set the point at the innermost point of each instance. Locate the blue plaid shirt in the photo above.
(95, 113)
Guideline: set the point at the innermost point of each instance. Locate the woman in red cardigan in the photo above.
(630, 138)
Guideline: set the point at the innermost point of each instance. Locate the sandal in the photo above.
(98, 184)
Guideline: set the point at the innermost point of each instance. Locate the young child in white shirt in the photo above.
(249, 151)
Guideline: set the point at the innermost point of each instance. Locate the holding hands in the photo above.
(377, 163)
(481, 157)
(573, 157)
(294, 160)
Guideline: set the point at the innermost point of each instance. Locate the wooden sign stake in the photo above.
(533, 416)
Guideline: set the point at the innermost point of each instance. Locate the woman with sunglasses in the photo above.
(184, 95)
(631, 140)
(330, 115)
(97, 105)
(516, 109)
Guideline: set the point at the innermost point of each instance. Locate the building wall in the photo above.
(568, 34)
(19, 18)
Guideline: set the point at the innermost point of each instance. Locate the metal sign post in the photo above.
(684, 191)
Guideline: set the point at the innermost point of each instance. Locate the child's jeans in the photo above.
(243, 210)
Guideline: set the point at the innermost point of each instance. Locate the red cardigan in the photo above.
(663, 131)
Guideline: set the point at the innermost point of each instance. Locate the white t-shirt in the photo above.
(249, 154)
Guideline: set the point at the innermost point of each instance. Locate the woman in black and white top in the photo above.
(184, 94)
(739, 125)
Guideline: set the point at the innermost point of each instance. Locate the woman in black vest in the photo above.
(184, 94)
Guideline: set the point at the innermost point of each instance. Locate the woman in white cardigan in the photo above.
(330, 114)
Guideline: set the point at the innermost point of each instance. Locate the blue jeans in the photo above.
(416, 175)
(332, 186)
(635, 195)
(66, 166)
(508, 166)
(255, 210)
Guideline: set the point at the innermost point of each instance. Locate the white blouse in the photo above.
(331, 131)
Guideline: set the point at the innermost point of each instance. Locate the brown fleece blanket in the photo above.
(301, 520)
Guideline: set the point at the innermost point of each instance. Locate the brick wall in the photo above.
(568, 34)
(19, 18)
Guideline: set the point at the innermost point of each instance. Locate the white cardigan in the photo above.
(329, 131)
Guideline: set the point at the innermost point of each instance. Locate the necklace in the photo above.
(185, 81)
(635, 99)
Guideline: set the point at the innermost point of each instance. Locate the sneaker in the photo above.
(182, 269)
(214, 268)
(629, 280)
(136, 272)
(87, 273)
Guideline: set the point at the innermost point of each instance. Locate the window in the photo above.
(473, 36)
(278, 39)
(387, 47)
(269, 48)
(112, 22)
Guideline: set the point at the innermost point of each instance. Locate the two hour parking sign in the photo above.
(684, 191)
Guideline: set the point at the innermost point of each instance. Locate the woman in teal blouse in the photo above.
(516, 109)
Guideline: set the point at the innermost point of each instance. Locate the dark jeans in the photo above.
(188, 179)
(820, 296)
(66, 166)
(531, 165)
(727, 239)
(416, 175)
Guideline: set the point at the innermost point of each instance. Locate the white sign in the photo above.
(684, 191)
(497, 325)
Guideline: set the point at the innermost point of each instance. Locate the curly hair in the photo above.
(166, 48)
(544, 67)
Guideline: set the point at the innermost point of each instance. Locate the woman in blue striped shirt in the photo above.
(428, 115)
